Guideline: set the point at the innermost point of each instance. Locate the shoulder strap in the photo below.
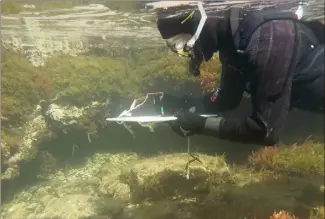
(244, 29)
(225, 33)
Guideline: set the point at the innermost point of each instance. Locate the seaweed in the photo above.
(19, 95)
(306, 158)
(84, 82)
(156, 187)
(210, 74)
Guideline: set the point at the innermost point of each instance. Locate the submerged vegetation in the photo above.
(304, 159)
(278, 182)
(81, 81)
(19, 94)
(127, 185)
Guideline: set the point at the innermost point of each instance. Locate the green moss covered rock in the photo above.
(128, 186)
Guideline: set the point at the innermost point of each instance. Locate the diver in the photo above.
(275, 57)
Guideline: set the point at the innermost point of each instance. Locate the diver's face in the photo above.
(177, 44)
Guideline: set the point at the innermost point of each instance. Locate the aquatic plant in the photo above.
(156, 187)
(83, 84)
(82, 79)
(44, 86)
(18, 93)
(79, 80)
(306, 158)
(210, 74)
(282, 215)
(317, 212)
(265, 157)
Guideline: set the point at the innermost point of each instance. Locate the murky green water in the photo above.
(66, 68)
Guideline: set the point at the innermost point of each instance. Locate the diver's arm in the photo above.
(271, 53)
(229, 95)
(260, 128)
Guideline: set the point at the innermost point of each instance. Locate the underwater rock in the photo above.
(127, 186)
(161, 177)
(33, 132)
(72, 193)
(39, 127)
(64, 115)
(107, 180)
(157, 210)
(69, 206)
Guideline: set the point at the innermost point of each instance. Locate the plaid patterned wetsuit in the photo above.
(273, 89)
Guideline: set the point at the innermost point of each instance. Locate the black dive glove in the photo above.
(187, 110)
(188, 123)
(173, 105)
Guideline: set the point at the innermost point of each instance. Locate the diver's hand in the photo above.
(188, 123)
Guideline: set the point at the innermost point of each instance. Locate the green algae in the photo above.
(80, 80)
(19, 95)
(85, 83)
(128, 186)
(76, 80)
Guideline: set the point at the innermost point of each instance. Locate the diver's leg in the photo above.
(308, 87)
(315, 91)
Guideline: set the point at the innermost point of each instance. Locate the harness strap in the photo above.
(244, 25)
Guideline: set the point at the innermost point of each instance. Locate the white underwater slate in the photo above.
(147, 118)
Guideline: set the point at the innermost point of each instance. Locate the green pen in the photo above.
(162, 110)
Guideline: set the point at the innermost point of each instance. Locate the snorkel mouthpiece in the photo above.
(183, 53)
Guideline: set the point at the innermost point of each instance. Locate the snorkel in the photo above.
(190, 44)
(180, 35)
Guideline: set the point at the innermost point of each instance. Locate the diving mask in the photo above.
(181, 26)
(177, 44)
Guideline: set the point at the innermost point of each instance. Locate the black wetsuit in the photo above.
(284, 68)
(272, 55)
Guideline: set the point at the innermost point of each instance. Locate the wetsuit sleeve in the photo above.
(270, 50)
(229, 94)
